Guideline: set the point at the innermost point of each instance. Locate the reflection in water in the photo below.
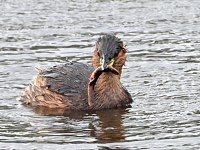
(107, 128)
(59, 112)
(110, 126)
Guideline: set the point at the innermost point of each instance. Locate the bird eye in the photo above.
(98, 53)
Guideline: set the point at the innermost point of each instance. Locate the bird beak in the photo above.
(104, 64)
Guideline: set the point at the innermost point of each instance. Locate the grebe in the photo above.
(77, 86)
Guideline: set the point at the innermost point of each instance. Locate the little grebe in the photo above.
(68, 86)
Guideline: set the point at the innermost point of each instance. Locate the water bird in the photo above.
(79, 86)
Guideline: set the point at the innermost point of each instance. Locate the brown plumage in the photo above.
(76, 86)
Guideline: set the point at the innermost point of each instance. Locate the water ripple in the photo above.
(161, 73)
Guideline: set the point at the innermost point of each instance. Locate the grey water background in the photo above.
(162, 72)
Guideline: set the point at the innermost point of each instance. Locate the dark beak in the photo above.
(105, 62)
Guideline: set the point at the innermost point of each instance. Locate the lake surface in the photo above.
(162, 72)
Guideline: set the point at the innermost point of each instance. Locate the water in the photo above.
(162, 73)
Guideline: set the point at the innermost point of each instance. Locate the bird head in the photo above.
(110, 52)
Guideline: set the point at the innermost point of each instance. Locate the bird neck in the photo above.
(109, 92)
(108, 83)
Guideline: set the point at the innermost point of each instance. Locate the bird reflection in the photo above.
(104, 126)
(110, 127)
(59, 112)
